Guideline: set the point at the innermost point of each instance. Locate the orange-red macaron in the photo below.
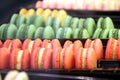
(4, 56)
(86, 59)
(55, 43)
(67, 43)
(46, 44)
(41, 58)
(112, 49)
(7, 43)
(19, 59)
(97, 45)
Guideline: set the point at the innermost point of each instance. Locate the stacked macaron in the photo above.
(50, 54)
(15, 75)
(79, 4)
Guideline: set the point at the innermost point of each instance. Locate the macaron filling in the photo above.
(61, 59)
(40, 57)
(30, 46)
(84, 58)
(114, 50)
(19, 59)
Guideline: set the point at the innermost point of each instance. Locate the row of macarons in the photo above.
(50, 54)
(15, 75)
(10, 31)
(61, 14)
(79, 4)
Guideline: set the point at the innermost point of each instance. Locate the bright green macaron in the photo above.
(76, 32)
(49, 21)
(11, 31)
(104, 33)
(113, 33)
(14, 19)
(59, 33)
(84, 34)
(31, 19)
(81, 23)
(97, 33)
(68, 33)
(67, 21)
(74, 22)
(39, 21)
(100, 22)
(39, 33)
(48, 33)
(3, 29)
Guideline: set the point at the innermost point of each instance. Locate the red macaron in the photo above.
(97, 45)
(67, 43)
(46, 44)
(4, 56)
(86, 59)
(112, 49)
(19, 59)
(41, 58)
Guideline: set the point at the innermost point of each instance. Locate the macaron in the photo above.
(85, 59)
(11, 31)
(68, 33)
(67, 43)
(83, 34)
(81, 23)
(2, 30)
(46, 43)
(39, 33)
(48, 33)
(41, 58)
(67, 21)
(54, 13)
(4, 56)
(38, 4)
(104, 33)
(23, 11)
(55, 43)
(39, 21)
(97, 33)
(68, 58)
(74, 22)
(7, 43)
(19, 59)
(30, 12)
(22, 76)
(14, 18)
(39, 11)
(31, 19)
(11, 75)
(112, 50)
(60, 33)
(56, 58)
(21, 31)
(97, 45)
(76, 32)
(113, 33)
(100, 22)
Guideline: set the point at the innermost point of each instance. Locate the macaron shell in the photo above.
(109, 49)
(45, 43)
(67, 43)
(16, 43)
(56, 57)
(1, 44)
(68, 58)
(37, 43)
(78, 59)
(98, 47)
(87, 43)
(76, 45)
(22, 76)
(26, 43)
(4, 56)
(25, 60)
(117, 50)
(13, 58)
(34, 58)
(7, 43)
(47, 58)
(55, 43)
(91, 59)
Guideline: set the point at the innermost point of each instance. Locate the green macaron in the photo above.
(56, 24)
(67, 21)
(108, 23)
(21, 31)
(11, 31)
(104, 33)
(76, 32)
(81, 23)
(39, 21)
(68, 33)
(100, 22)
(39, 33)
(31, 19)
(113, 33)
(74, 22)
(3, 30)
(14, 19)
(90, 26)
(30, 31)
(118, 33)
(49, 21)
(48, 33)
(97, 33)
(59, 33)
(84, 34)
(20, 20)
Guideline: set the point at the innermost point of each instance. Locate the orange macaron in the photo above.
(85, 59)
(112, 49)
(67, 43)
(55, 43)
(97, 45)
(41, 58)
(19, 59)
(4, 56)
(46, 43)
